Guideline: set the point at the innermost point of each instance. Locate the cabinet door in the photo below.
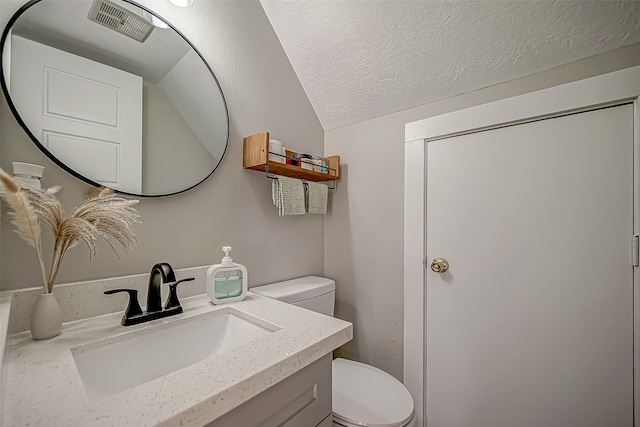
(327, 422)
(301, 400)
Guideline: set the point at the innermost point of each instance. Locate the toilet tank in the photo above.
(310, 292)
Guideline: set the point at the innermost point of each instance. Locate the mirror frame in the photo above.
(50, 155)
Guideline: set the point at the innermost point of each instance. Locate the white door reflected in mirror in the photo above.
(90, 115)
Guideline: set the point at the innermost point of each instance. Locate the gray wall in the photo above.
(364, 229)
(232, 207)
(165, 138)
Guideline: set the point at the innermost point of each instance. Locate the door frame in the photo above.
(619, 87)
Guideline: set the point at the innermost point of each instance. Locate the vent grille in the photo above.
(121, 20)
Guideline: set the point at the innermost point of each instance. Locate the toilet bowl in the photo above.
(362, 395)
(366, 396)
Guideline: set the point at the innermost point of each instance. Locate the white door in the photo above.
(87, 114)
(532, 326)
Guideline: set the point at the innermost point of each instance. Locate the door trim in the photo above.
(610, 89)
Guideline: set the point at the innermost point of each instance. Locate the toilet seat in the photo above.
(366, 396)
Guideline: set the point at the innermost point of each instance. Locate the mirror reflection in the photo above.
(114, 95)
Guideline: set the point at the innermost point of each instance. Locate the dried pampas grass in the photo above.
(101, 215)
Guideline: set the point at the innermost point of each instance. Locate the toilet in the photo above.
(362, 395)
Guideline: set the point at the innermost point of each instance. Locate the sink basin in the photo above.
(116, 364)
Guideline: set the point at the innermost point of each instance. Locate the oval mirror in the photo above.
(114, 94)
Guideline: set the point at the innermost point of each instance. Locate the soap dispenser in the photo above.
(227, 281)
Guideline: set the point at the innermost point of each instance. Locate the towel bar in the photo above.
(272, 176)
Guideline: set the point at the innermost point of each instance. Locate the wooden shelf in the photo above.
(256, 157)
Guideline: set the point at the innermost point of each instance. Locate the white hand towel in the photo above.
(316, 199)
(288, 195)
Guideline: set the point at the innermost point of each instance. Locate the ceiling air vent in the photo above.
(119, 19)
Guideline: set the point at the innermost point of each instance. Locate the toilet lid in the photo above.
(366, 396)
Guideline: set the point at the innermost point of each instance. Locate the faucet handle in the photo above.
(172, 300)
(133, 309)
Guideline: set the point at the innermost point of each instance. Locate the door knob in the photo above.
(440, 265)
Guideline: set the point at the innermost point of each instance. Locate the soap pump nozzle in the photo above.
(227, 261)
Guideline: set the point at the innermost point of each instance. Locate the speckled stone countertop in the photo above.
(43, 387)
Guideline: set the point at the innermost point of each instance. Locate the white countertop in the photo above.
(42, 385)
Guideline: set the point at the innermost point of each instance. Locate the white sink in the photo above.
(116, 364)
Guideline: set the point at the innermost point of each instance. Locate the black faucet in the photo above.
(160, 273)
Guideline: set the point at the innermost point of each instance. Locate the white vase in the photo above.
(46, 318)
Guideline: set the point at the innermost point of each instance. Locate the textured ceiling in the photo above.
(362, 59)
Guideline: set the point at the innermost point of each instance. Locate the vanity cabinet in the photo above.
(301, 400)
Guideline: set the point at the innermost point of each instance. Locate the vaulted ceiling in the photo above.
(361, 59)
